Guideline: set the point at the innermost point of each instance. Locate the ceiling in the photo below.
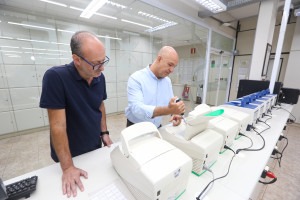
(180, 32)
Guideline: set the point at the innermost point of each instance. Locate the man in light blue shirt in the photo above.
(150, 93)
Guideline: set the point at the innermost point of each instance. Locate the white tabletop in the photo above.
(239, 184)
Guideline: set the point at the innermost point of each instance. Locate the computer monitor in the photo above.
(247, 87)
(289, 95)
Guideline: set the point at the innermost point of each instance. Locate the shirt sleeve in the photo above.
(53, 95)
(136, 100)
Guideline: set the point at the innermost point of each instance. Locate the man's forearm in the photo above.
(61, 147)
(161, 110)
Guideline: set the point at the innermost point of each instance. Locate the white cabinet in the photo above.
(111, 105)
(29, 118)
(24, 98)
(40, 71)
(5, 103)
(8, 124)
(110, 74)
(122, 104)
(46, 118)
(111, 90)
(21, 75)
(122, 89)
(3, 82)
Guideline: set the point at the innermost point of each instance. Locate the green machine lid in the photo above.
(215, 113)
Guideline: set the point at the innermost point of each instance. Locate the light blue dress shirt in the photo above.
(145, 91)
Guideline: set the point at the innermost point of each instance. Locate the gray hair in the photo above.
(76, 41)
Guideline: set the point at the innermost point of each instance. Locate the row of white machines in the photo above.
(155, 164)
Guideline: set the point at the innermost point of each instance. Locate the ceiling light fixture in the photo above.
(41, 41)
(11, 51)
(61, 30)
(4, 37)
(10, 47)
(214, 6)
(116, 4)
(34, 48)
(33, 26)
(93, 6)
(152, 16)
(103, 15)
(131, 33)
(60, 43)
(55, 3)
(131, 22)
(160, 27)
(106, 36)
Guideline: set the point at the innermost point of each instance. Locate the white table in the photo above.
(239, 184)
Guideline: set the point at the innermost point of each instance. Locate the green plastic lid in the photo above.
(215, 113)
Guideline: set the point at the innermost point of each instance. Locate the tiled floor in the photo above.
(24, 153)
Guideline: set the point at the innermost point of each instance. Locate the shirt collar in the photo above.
(74, 71)
(151, 73)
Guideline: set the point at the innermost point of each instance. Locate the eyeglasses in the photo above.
(96, 66)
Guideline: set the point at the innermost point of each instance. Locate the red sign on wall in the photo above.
(193, 50)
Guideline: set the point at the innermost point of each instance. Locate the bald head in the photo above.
(79, 38)
(168, 51)
(166, 61)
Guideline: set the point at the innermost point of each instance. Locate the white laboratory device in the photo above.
(193, 138)
(228, 128)
(152, 168)
(242, 118)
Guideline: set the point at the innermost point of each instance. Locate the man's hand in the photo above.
(176, 119)
(106, 140)
(71, 180)
(176, 108)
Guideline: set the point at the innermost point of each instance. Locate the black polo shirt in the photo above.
(63, 88)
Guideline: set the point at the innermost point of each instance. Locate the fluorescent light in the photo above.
(93, 6)
(33, 26)
(131, 33)
(55, 3)
(152, 16)
(60, 43)
(41, 41)
(10, 47)
(34, 48)
(11, 51)
(57, 50)
(61, 30)
(105, 16)
(116, 4)
(75, 8)
(55, 58)
(214, 6)
(106, 36)
(4, 37)
(160, 27)
(131, 22)
(14, 56)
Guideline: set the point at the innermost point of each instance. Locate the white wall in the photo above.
(245, 41)
(291, 79)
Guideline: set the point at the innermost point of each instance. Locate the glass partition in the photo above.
(219, 69)
(32, 43)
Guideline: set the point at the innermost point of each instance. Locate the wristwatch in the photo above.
(104, 132)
